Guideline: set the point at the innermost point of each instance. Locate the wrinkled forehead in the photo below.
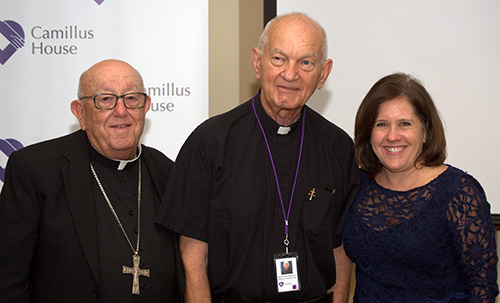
(296, 32)
(112, 78)
(116, 81)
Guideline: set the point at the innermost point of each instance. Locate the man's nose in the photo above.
(290, 71)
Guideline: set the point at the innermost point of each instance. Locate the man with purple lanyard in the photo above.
(266, 183)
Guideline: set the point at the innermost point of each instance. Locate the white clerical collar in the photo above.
(123, 163)
(284, 130)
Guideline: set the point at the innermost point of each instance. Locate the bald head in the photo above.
(114, 132)
(290, 63)
(297, 20)
(91, 77)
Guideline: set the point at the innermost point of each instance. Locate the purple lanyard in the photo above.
(287, 215)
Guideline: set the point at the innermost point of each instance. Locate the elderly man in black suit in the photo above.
(77, 212)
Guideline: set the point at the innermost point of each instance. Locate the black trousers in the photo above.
(228, 299)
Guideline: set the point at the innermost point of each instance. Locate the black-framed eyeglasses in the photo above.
(108, 101)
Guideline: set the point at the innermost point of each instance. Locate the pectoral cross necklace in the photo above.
(135, 270)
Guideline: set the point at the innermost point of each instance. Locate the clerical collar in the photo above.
(272, 126)
(284, 130)
(96, 156)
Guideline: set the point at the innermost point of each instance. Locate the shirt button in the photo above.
(95, 294)
(131, 212)
(123, 178)
(126, 195)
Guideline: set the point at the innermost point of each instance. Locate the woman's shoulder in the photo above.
(466, 190)
(461, 178)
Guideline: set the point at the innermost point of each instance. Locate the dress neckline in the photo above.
(436, 179)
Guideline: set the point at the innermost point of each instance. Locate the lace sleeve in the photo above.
(474, 240)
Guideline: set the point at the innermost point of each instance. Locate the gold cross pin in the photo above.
(312, 194)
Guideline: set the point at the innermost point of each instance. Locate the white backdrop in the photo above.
(46, 45)
(452, 46)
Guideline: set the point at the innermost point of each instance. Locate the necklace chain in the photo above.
(136, 251)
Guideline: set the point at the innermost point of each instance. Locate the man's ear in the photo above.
(325, 71)
(256, 61)
(147, 105)
(77, 110)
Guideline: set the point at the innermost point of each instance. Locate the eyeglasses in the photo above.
(108, 101)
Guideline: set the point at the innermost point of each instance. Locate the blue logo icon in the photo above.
(8, 146)
(14, 34)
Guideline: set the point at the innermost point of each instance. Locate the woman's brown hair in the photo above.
(388, 88)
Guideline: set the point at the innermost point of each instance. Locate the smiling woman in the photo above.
(419, 230)
(398, 103)
(398, 136)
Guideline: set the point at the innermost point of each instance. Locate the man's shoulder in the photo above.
(47, 155)
(230, 116)
(224, 122)
(55, 145)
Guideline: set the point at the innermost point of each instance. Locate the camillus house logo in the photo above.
(13, 34)
(8, 146)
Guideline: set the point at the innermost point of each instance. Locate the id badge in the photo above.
(287, 272)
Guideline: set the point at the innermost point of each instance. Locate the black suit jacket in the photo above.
(48, 233)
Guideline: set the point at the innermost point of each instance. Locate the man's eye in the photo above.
(277, 60)
(307, 65)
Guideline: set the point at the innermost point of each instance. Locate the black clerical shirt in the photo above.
(156, 245)
(223, 191)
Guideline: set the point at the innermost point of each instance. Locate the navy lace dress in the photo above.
(434, 243)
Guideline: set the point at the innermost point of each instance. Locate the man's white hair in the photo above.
(264, 37)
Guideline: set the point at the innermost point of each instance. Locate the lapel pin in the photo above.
(312, 194)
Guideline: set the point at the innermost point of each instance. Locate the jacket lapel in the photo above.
(78, 185)
(159, 176)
